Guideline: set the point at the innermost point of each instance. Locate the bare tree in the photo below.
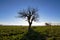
(48, 24)
(30, 15)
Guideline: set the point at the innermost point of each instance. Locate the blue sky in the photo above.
(49, 11)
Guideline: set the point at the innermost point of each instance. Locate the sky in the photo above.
(49, 11)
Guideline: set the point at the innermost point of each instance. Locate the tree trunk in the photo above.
(29, 26)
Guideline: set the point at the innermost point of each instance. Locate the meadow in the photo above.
(37, 33)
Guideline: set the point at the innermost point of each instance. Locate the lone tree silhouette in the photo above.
(30, 15)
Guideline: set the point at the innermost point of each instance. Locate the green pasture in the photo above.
(18, 32)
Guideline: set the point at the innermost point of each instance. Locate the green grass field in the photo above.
(21, 33)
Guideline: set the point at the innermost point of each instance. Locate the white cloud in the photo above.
(20, 22)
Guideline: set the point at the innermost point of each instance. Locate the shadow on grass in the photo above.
(33, 35)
